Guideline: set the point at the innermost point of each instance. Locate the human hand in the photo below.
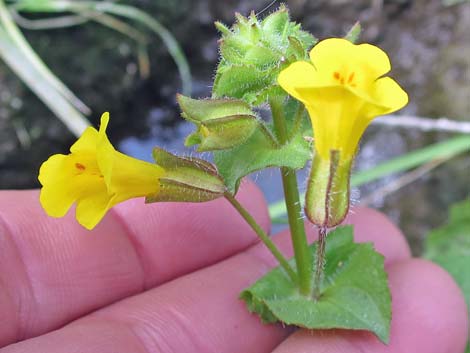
(166, 278)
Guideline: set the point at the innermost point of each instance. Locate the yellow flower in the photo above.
(343, 89)
(95, 176)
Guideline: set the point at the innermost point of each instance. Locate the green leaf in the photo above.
(278, 26)
(449, 246)
(260, 151)
(277, 21)
(242, 82)
(354, 292)
(193, 139)
(454, 237)
(222, 28)
(354, 33)
(261, 56)
(295, 51)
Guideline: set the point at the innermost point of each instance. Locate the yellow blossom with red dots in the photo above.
(343, 89)
(94, 176)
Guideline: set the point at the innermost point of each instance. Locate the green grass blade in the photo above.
(48, 23)
(41, 86)
(16, 37)
(445, 149)
(125, 11)
(170, 42)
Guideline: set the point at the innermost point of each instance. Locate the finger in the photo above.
(58, 271)
(429, 316)
(199, 312)
(176, 238)
(370, 226)
(373, 226)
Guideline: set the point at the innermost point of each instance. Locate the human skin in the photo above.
(166, 278)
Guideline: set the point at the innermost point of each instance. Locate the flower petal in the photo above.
(374, 59)
(55, 175)
(336, 54)
(298, 74)
(56, 200)
(388, 93)
(333, 112)
(331, 51)
(55, 169)
(86, 142)
(92, 208)
(105, 151)
(132, 177)
(104, 122)
(105, 157)
(95, 176)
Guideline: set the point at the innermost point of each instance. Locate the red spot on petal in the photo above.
(80, 166)
(336, 75)
(351, 77)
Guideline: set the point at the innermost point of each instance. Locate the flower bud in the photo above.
(221, 123)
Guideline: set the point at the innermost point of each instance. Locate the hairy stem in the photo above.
(303, 258)
(298, 118)
(320, 262)
(263, 236)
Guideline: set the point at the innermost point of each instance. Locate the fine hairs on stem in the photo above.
(320, 261)
(303, 258)
(263, 236)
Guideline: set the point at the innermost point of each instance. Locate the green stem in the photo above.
(303, 259)
(262, 235)
(298, 118)
(320, 262)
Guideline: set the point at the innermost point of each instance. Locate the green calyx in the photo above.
(254, 51)
(186, 179)
(327, 197)
(221, 123)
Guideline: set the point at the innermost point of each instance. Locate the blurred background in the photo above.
(120, 57)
